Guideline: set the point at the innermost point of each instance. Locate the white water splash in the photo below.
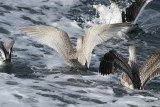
(110, 14)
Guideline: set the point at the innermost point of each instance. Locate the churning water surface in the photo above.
(38, 76)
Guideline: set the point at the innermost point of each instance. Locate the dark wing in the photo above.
(134, 10)
(135, 73)
(113, 61)
(150, 69)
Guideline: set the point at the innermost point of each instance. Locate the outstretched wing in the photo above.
(150, 69)
(51, 36)
(132, 12)
(113, 61)
(98, 34)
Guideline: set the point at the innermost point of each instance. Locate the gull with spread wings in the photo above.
(132, 77)
(59, 40)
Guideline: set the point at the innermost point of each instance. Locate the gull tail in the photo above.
(80, 57)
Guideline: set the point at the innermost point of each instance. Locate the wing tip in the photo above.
(22, 29)
(107, 63)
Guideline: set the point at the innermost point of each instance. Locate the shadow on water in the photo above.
(153, 85)
(73, 71)
(33, 21)
(23, 70)
(19, 69)
(136, 33)
(4, 31)
(151, 38)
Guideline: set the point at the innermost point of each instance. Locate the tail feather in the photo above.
(80, 58)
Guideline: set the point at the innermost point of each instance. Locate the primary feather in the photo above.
(132, 76)
(150, 69)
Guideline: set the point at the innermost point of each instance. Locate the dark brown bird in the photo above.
(133, 11)
(132, 76)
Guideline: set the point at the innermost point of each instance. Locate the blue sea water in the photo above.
(38, 76)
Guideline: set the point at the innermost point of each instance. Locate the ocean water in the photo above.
(39, 77)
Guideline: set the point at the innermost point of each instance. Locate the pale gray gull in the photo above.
(59, 40)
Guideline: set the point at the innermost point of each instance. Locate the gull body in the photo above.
(132, 76)
(59, 40)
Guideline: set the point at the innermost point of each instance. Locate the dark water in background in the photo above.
(38, 76)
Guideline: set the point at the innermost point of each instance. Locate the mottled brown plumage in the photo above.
(151, 64)
(132, 76)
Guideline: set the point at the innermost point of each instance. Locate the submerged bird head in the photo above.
(5, 51)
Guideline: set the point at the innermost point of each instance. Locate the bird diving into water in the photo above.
(5, 51)
(129, 11)
(132, 76)
(59, 40)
